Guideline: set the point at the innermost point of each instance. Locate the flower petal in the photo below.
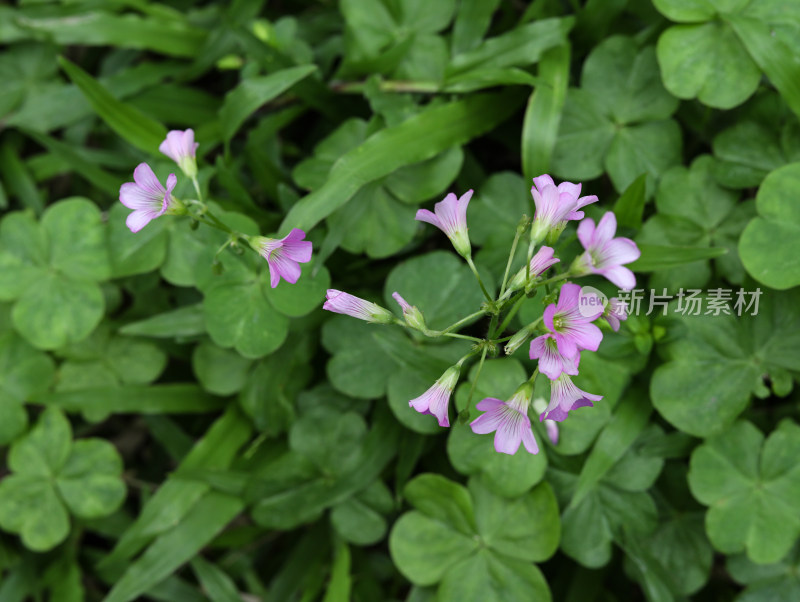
(549, 312)
(423, 215)
(488, 403)
(620, 251)
(606, 228)
(143, 175)
(283, 267)
(508, 437)
(529, 441)
(586, 231)
(134, 197)
(138, 220)
(486, 423)
(621, 276)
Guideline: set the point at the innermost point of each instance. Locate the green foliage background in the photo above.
(171, 433)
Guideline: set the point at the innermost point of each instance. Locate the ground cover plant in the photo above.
(398, 300)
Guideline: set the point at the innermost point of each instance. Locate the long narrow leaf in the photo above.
(134, 126)
(419, 138)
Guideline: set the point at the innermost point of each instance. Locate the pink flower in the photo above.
(435, 400)
(616, 311)
(508, 420)
(450, 216)
(345, 303)
(605, 255)
(147, 197)
(540, 263)
(551, 361)
(565, 396)
(283, 255)
(573, 192)
(570, 324)
(555, 205)
(539, 406)
(180, 147)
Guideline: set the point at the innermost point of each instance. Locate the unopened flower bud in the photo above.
(344, 303)
(411, 314)
(518, 340)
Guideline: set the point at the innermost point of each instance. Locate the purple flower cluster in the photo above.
(149, 200)
(567, 327)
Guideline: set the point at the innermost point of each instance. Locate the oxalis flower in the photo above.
(450, 216)
(436, 399)
(570, 324)
(344, 303)
(572, 196)
(551, 361)
(508, 420)
(181, 147)
(283, 255)
(605, 255)
(540, 406)
(555, 205)
(540, 263)
(147, 197)
(565, 396)
(615, 311)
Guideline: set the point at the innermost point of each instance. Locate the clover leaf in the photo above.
(752, 488)
(770, 245)
(705, 58)
(103, 360)
(53, 477)
(713, 370)
(618, 121)
(617, 503)
(767, 582)
(693, 210)
(331, 458)
(24, 371)
(467, 539)
(749, 150)
(51, 269)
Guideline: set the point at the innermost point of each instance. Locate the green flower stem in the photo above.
(462, 336)
(528, 260)
(477, 376)
(460, 322)
(532, 379)
(480, 281)
(196, 185)
(508, 263)
(563, 276)
(509, 317)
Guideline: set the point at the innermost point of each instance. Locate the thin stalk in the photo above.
(563, 276)
(508, 264)
(197, 189)
(477, 376)
(480, 281)
(462, 336)
(460, 322)
(509, 317)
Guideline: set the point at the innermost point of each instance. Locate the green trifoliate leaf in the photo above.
(618, 121)
(770, 246)
(752, 488)
(51, 474)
